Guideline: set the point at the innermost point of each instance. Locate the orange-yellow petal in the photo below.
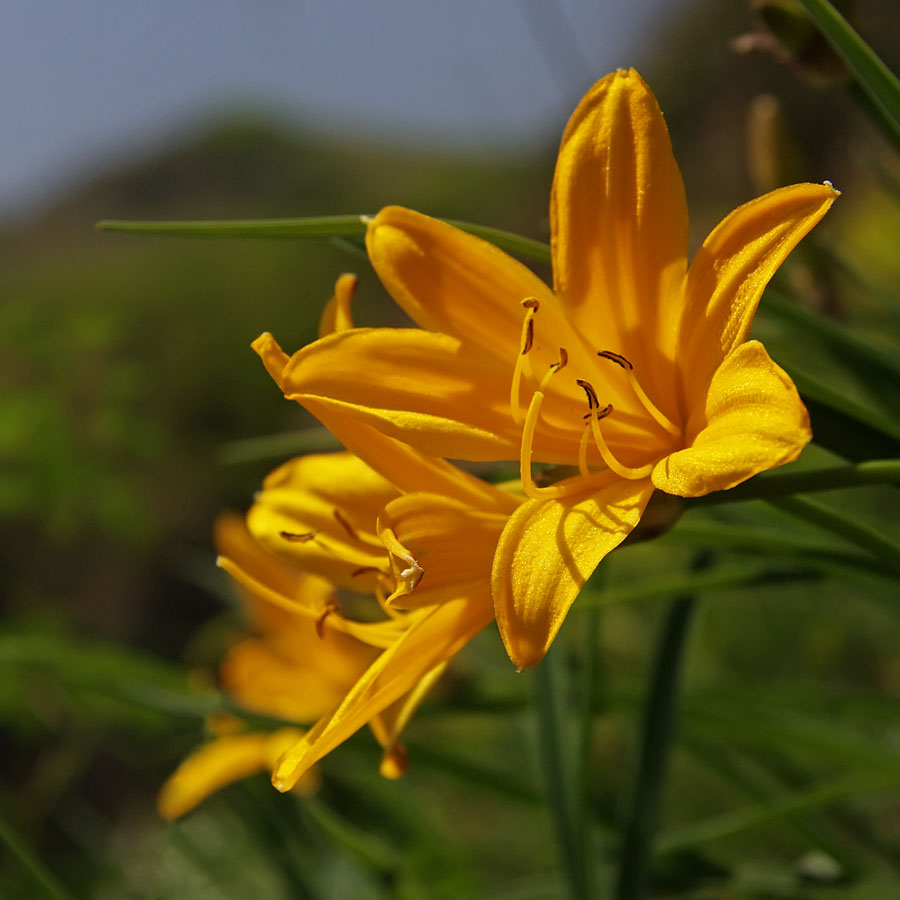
(220, 763)
(319, 511)
(753, 420)
(439, 547)
(299, 680)
(458, 284)
(619, 228)
(547, 552)
(389, 725)
(414, 385)
(314, 594)
(337, 316)
(732, 268)
(428, 643)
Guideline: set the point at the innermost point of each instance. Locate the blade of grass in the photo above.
(872, 75)
(657, 733)
(775, 484)
(758, 815)
(342, 228)
(844, 426)
(276, 446)
(550, 704)
(29, 860)
(846, 343)
(856, 532)
(737, 575)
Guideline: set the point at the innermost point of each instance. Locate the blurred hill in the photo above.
(126, 360)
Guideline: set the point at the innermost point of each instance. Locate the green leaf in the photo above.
(277, 446)
(873, 76)
(724, 577)
(317, 227)
(347, 228)
(846, 344)
(758, 815)
(844, 426)
(29, 860)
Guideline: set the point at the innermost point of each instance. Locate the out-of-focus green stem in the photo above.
(38, 871)
(555, 760)
(657, 730)
(779, 484)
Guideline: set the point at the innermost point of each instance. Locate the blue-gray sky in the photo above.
(88, 83)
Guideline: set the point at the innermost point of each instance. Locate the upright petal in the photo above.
(731, 270)
(619, 227)
(337, 315)
(547, 552)
(753, 420)
(458, 284)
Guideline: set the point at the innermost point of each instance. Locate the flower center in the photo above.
(592, 431)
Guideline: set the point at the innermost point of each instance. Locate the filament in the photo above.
(525, 344)
(621, 470)
(659, 417)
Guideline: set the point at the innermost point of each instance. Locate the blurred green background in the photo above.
(128, 388)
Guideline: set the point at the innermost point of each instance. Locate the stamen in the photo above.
(531, 305)
(365, 570)
(345, 524)
(586, 434)
(330, 607)
(660, 418)
(621, 470)
(527, 448)
(304, 538)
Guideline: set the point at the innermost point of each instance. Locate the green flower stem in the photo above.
(858, 533)
(780, 484)
(555, 759)
(582, 794)
(352, 226)
(29, 860)
(657, 731)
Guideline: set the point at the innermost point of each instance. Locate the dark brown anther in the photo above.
(563, 359)
(603, 413)
(617, 358)
(330, 608)
(299, 538)
(529, 337)
(345, 524)
(531, 303)
(588, 388)
(365, 570)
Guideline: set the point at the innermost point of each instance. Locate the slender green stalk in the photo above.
(657, 731)
(872, 75)
(858, 533)
(318, 227)
(778, 484)
(581, 792)
(339, 227)
(550, 703)
(29, 860)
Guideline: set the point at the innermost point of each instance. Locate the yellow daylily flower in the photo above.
(636, 368)
(436, 532)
